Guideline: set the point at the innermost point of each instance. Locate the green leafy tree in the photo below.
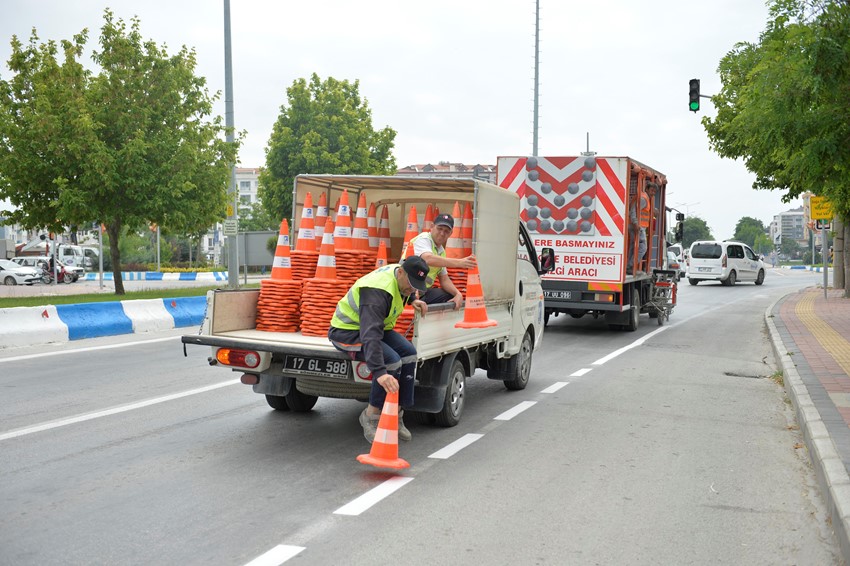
(782, 107)
(695, 229)
(131, 145)
(762, 244)
(748, 229)
(258, 219)
(326, 127)
(790, 248)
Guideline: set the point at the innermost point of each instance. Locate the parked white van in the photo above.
(727, 262)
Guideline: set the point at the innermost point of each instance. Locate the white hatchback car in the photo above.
(13, 274)
(727, 262)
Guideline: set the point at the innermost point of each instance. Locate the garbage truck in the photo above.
(292, 370)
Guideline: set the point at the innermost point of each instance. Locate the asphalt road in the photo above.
(669, 445)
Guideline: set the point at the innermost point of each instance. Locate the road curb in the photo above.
(831, 474)
(30, 326)
(160, 276)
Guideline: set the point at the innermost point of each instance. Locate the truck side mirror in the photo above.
(547, 260)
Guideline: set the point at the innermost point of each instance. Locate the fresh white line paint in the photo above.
(373, 496)
(555, 387)
(87, 349)
(276, 556)
(581, 372)
(634, 344)
(456, 446)
(511, 413)
(112, 411)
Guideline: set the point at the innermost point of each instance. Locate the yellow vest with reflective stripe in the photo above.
(347, 314)
(433, 272)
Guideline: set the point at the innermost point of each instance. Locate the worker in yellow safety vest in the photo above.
(362, 326)
(431, 246)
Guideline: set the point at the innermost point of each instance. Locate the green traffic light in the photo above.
(694, 106)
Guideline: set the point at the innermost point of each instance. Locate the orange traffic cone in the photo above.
(381, 261)
(384, 453)
(384, 229)
(454, 246)
(360, 235)
(466, 229)
(321, 218)
(411, 232)
(282, 264)
(372, 227)
(305, 240)
(342, 231)
(474, 312)
(428, 223)
(326, 266)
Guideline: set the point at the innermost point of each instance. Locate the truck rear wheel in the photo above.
(277, 403)
(300, 402)
(634, 313)
(519, 367)
(452, 409)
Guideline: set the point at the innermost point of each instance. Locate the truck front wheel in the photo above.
(519, 367)
(455, 396)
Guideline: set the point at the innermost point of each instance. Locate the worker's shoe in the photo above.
(403, 433)
(369, 424)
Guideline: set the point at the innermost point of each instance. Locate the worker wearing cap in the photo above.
(363, 326)
(431, 246)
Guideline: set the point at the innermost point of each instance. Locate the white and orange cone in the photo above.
(411, 232)
(321, 219)
(342, 230)
(474, 312)
(384, 452)
(360, 234)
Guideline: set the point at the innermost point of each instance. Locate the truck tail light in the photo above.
(603, 298)
(361, 371)
(239, 358)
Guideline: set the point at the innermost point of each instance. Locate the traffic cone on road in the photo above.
(384, 453)
(474, 312)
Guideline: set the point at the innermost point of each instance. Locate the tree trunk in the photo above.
(113, 229)
(838, 260)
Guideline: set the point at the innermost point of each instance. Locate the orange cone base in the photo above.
(395, 464)
(481, 324)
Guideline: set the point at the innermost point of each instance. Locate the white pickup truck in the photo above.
(294, 370)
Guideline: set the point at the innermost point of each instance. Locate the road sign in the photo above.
(823, 225)
(229, 210)
(821, 208)
(231, 227)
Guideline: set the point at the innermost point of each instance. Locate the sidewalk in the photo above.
(811, 340)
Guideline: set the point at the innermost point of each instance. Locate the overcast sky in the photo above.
(454, 78)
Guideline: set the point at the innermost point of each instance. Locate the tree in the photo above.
(762, 244)
(790, 248)
(326, 128)
(695, 229)
(748, 229)
(129, 146)
(258, 220)
(782, 106)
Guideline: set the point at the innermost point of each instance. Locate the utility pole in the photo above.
(232, 222)
(536, 72)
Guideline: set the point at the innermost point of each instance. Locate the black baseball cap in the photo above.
(417, 271)
(444, 220)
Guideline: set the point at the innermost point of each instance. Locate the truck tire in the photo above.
(277, 403)
(634, 312)
(453, 404)
(300, 402)
(519, 367)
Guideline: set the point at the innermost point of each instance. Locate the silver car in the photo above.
(13, 274)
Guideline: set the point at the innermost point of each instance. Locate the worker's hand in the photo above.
(467, 262)
(457, 300)
(389, 383)
(421, 307)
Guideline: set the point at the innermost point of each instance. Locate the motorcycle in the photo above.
(63, 276)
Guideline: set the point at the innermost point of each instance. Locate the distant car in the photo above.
(13, 274)
(728, 262)
(676, 264)
(38, 261)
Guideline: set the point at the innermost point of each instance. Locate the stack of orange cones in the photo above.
(410, 232)
(384, 230)
(404, 323)
(280, 296)
(355, 260)
(333, 211)
(342, 231)
(304, 255)
(454, 249)
(372, 227)
(474, 312)
(428, 222)
(322, 292)
(321, 219)
(466, 229)
(384, 452)
(381, 260)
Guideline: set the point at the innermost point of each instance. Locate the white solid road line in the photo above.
(112, 411)
(373, 496)
(276, 556)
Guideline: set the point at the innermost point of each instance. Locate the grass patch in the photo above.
(778, 378)
(171, 293)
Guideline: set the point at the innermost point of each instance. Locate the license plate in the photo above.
(704, 269)
(319, 367)
(558, 294)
